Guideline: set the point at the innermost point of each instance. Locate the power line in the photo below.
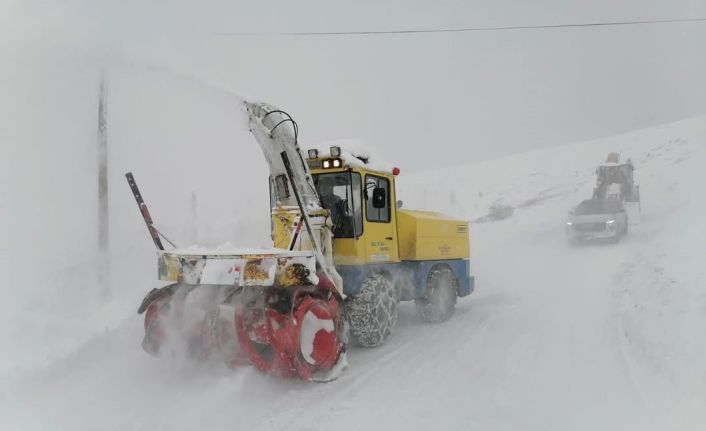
(464, 29)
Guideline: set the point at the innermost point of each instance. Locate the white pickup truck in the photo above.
(597, 219)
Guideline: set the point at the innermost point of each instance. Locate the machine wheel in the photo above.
(372, 313)
(440, 299)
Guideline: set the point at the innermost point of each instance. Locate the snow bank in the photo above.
(657, 281)
(190, 150)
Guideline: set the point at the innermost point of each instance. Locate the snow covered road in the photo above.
(550, 340)
(513, 356)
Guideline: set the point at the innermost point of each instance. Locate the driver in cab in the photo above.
(334, 203)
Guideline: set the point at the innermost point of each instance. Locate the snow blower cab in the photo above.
(615, 180)
(385, 254)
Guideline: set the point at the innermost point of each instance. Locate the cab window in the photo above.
(377, 199)
(340, 193)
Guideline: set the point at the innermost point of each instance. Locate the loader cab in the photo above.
(615, 173)
(361, 203)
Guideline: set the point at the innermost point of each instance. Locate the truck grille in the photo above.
(589, 227)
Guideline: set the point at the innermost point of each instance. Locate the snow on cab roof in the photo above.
(355, 153)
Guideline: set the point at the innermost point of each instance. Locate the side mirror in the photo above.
(379, 198)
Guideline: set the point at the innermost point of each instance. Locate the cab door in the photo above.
(380, 230)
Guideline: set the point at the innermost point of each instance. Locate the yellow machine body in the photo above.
(408, 235)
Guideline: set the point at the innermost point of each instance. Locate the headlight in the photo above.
(327, 164)
(568, 223)
(336, 163)
(610, 222)
(313, 153)
(335, 151)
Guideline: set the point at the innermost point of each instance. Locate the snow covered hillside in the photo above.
(554, 337)
(637, 309)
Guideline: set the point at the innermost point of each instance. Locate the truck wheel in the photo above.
(440, 298)
(372, 313)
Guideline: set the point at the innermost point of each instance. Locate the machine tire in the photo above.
(372, 313)
(440, 300)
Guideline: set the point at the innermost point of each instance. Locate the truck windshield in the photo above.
(597, 207)
(340, 193)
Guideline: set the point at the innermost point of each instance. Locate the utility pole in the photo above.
(194, 232)
(103, 214)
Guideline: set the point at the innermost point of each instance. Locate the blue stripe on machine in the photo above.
(412, 272)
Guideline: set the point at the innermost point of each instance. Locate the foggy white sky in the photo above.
(464, 96)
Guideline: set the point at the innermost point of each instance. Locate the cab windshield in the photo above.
(340, 193)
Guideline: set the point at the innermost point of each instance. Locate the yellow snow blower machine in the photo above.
(343, 256)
